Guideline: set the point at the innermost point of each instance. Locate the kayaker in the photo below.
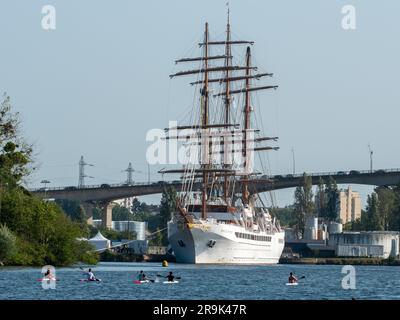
(141, 276)
(91, 276)
(48, 274)
(170, 277)
(292, 278)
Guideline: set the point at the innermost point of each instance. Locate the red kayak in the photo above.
(140, 281)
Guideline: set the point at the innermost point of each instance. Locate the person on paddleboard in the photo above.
(292, 278)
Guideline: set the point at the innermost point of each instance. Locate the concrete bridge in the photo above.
(104, 194)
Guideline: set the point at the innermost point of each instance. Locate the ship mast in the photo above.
(228, 63)
(230, 74)
(205, 123)
(247, 110)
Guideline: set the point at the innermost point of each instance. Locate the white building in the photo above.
(378, 244)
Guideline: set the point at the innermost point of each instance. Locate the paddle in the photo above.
(302, 277)
(83, 269)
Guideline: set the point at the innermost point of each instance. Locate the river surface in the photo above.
(204, 282)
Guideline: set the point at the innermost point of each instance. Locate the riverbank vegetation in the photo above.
(32, 231)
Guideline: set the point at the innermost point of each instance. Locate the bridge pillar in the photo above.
(106, 221)
(88, 207)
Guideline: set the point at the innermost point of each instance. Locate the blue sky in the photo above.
(99, 82)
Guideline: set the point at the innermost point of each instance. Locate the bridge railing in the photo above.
(103, 186)
(297, 175)
(335, 173)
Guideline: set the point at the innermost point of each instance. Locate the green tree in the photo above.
(321, 199)
(168, 204)
(120, 213)
(43, 233)
(332, 200)
(394, 223)
(167, 209)
(136, 205)
(284, 215)
(157, 239)
(15, 153)
(372, 219)
(304, 204)
(387, 199)
(356, 225)
(73, 209)
(8, 243)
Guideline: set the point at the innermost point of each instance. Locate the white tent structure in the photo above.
(100, 242)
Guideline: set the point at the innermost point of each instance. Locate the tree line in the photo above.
(382, 212)
(323, 204)
(32, 231)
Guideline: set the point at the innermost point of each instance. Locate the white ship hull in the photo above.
(218, 243)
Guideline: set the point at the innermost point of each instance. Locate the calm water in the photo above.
(204, 282)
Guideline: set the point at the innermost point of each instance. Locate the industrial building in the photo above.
(328, 240)
(138, 227)
(377, 244)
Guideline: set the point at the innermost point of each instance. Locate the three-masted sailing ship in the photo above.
(219, 219)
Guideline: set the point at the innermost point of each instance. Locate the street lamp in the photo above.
(370, 157)
(294, 162)
(45, 182)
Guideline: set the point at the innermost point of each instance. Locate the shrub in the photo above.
(8, 246)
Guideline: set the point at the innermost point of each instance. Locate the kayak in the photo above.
(292, 284)
(141, 281)
(46, 279)
(170, 282)
(86, 280)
